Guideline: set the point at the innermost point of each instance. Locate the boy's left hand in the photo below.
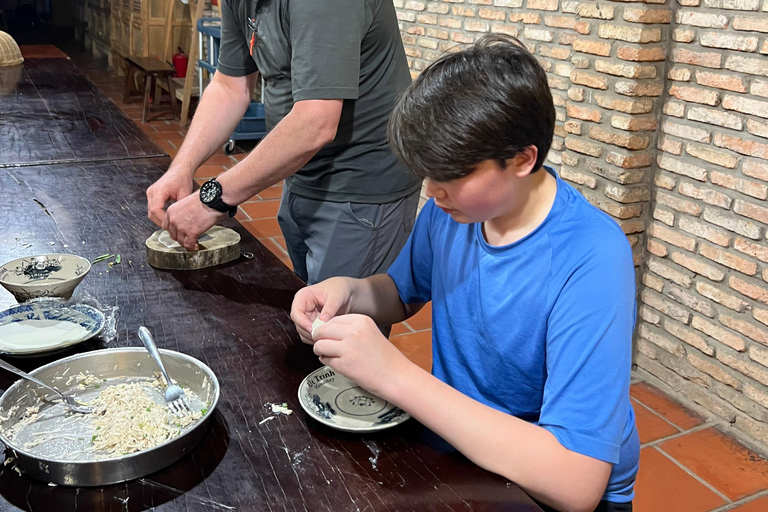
(354, 346)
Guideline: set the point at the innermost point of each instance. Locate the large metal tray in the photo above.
(114, 363)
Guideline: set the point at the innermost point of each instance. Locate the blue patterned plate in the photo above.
(42, 327)
(334, 400)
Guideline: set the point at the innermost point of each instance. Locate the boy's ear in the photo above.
(524, 162)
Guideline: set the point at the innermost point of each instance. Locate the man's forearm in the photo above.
(287, 148)
(215, 119)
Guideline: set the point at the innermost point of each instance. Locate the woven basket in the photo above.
(10, 55)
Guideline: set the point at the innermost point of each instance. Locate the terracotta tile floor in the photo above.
(688, 462)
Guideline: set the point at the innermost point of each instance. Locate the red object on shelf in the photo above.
(180, 61)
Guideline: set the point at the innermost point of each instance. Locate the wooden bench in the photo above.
(153, 70)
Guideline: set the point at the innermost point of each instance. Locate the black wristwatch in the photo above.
(210, 196)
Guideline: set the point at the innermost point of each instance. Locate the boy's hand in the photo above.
(354, 346)
(321, 301)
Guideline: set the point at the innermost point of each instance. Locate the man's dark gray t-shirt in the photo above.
(327, 49)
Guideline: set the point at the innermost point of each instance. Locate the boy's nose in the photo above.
(432, 189)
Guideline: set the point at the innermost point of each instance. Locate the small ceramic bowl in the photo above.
(45, 275)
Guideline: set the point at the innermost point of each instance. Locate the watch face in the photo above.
(210, 191)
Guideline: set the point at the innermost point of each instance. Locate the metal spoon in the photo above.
(68, 400)
(174, 395)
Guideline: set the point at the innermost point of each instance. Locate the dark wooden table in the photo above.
(50, 113)
(235, 318)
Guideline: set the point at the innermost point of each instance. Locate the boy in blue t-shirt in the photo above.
(532, 290)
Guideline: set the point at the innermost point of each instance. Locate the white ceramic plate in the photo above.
(334, 400)
(43, 327)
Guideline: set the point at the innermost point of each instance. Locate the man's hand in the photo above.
(187, 219)
(354, 346)
(173, 186)
(321, 301)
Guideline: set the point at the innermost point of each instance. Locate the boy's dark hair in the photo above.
(486, 102)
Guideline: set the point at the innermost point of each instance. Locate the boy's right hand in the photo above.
(321, 301)
(173, 186)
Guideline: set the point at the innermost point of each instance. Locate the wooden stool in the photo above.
(153, 69)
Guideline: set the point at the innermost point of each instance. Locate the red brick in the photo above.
(716, 117)
(660, 269)
(746, 105)
(672, 237)
(757, 128)
(727, 82)
(705, 59)
(713, 156)
(761, 315)
(584, 147)
(678, 167)
(753, 211)
(685, 131)
(743, 146)
(759, 88)
(679, 74)
(618, 139)
(752, 291)
(625, 70)
(705, 231)
(683, 35)
(722, 335)
(750, 188)
(674, 108)
(639, 106)
(752, 249)
(530, 18)
(594, 10)
(577, 177)
(755, 24)
(695, 95)
(755, 169)
(589, 80)
(634, 124)
(676, 203)
(670, 146)
(631, 161)
(725, 299)
(566, 22)
(750, 331)
(701, 19)
(707, 195)
(742, 227)
(728, 41)
(697, 266)
(656, 248)
(584, 113)
(728, 259)
(640, 15)
(542, 5)
(630, 34)
(753, 66)
(639, 88)
(592, 47)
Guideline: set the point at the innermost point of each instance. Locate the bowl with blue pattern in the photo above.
(45, 326)
(44, 275)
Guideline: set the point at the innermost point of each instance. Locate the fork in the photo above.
(68, 400)
(175, 397)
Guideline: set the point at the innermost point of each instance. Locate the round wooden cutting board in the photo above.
(217, 245)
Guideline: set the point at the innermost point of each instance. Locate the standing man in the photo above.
(333, 70)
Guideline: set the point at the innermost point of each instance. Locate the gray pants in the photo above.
(326, 239)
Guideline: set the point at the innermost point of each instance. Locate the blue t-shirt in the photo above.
(540, 328)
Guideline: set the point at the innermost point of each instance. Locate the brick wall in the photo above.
(662, 110)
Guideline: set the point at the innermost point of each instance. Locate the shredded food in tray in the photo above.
(126, 419)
